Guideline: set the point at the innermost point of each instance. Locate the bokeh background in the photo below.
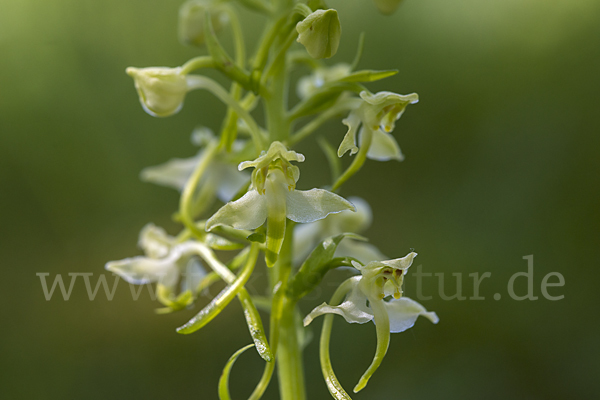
(501, 162)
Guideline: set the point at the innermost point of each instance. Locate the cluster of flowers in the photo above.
(257, 208)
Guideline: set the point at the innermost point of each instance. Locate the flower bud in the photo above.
(191, 20)
(387, 7)
(320, 33)
(161, 89)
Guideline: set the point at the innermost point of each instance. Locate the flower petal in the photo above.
(401, 263)
(349, 309)
(364, 252)
(194, 274)
(141, 270)
(174, 173)
(349, 142)
(276, 150)
(249, 212)
(384, 147)
(351, 222)
(155, 242)
(385, 97)
(403, 314)
(230, 181)
(315, 204)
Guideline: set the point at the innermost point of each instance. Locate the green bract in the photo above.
(273, 197)
(161, 89)
(320, 33)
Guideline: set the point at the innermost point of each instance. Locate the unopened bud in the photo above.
(161, 89)
(191, 20)
(320, 33)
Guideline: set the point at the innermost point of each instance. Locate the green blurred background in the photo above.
(501, 162)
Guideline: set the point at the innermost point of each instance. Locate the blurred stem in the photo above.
(313, 125)
(229, 131)
(202, 82)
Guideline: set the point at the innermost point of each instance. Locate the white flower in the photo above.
(221, 178)
(365, 302)
(373, 121)
(307, 236)
(161, 89)
(273, 198)
(308, 85)
(167, 263)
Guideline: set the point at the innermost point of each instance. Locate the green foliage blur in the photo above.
(501, 162)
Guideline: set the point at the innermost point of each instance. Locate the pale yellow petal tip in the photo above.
(360, 385)
(432, 316)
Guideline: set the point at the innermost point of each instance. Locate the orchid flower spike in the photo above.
(307, 236)
(373, 121)
(365, 301)
(166, 262)
(273, 197)
(221, 179)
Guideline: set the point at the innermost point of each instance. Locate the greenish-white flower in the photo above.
(320, 33)
(191, 20)
(308, 85)
(221, 178)
(373, 121)
(161, 90)
(273, 198)
(307, 236)
(366, 301)
(173, 266)
(387, 7)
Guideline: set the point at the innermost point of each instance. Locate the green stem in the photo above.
(289, 356)
(198, 63)
(202, 82)
(334, 386)
(187, 197)
(275, 106)
(289, 353)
